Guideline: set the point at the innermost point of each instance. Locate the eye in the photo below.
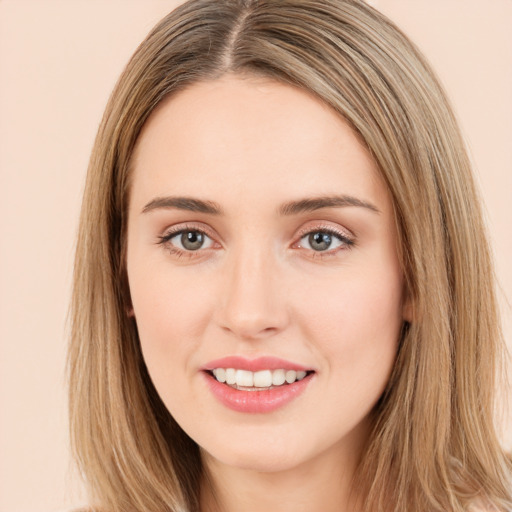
(187, 240)
(323, 240)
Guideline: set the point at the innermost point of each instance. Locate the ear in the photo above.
(130, 313)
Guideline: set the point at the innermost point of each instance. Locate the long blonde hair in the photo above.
(433, 445)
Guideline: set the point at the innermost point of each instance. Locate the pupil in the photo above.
(192, 240)
(320, 241)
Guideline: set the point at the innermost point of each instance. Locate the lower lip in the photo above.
(256, 401)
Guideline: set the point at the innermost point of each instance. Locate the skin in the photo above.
(258, 287)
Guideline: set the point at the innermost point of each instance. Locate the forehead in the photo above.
(256, 134)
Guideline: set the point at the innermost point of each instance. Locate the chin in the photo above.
(265, 456)
(259, 462)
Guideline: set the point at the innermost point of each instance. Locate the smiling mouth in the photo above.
(245, 380)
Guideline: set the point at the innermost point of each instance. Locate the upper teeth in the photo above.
(261, 379)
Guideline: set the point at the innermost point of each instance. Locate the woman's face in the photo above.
(262, 249)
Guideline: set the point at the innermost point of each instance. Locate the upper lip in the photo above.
(254, 365)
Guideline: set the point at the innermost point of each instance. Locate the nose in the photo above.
(252, 301)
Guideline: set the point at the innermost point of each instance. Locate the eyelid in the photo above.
(188, 226)
(346, 238)
(172, 231)
(345, 235)
(325, 226)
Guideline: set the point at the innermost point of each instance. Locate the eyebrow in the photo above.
(290, 208)
(317, 203)
(184, 203)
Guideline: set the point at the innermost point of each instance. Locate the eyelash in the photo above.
(346, 241)
(165, 240)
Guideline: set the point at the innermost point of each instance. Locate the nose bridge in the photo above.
(252, 305)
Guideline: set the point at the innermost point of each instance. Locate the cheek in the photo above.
(170, 315)
(363, 301)
(357, 323)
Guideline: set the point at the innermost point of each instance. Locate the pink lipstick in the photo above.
(259, 385)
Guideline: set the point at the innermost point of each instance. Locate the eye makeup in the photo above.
(319, 240)
(187, 240)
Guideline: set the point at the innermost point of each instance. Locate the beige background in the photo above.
(58, 62)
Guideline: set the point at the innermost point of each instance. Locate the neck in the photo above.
(324, 483)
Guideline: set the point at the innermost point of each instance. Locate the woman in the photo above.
(282, 289)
